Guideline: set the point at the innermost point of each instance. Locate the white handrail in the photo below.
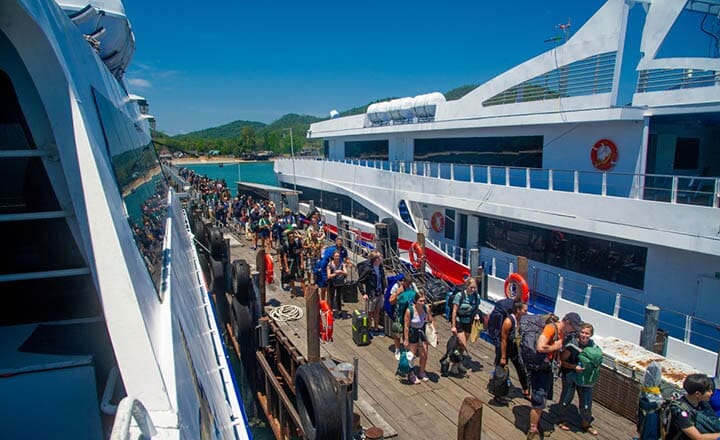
(128, 409)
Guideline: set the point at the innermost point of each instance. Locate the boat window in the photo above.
(450, 224)
(335, 202)
(514, 151)
(687, 153)
(616, 262)
(405, 213)
(367, 150)
(139, 179)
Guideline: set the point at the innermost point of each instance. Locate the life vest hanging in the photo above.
(514, 282)
(437, 221)
(269, 277)
(326, 322)
(416, 255)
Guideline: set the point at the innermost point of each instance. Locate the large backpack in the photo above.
(531, 326)
(499, 383)
(502, 310)
(590, 359)
(391, 281)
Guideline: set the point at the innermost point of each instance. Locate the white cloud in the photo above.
(139, 83)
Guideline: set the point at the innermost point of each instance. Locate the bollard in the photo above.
(649, 332)
(312, 311)
(374, 433)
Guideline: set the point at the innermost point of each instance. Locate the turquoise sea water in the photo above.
(254, 172)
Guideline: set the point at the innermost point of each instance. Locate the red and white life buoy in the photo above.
(515, 282)
(326, 322)
(604, 154)
(417, 255)
(437, 221)
(269, 269)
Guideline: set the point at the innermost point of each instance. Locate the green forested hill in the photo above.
(246, 136)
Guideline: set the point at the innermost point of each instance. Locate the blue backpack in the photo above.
(389, 308)
(320, 269)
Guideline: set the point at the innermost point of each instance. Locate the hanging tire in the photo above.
(205, 268)
(217, 244)
(218, 289)
(242, 327)
(317, 403)
(200, 232)
(241, 283)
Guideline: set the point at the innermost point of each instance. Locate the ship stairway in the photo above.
(43, 274)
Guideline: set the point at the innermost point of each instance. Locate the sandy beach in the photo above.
(204, 159)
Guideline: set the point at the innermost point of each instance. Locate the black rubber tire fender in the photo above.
(242, 327)
(218, 289)
(316, 402)
(241, 282)
(200, 232)
(205, 268)
(216, 242)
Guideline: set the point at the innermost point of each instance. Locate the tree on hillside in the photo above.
(248, 139)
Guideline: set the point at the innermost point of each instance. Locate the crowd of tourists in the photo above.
(541, 348)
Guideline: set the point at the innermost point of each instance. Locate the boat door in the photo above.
(706, 306)
(462, 241)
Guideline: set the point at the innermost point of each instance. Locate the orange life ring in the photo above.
(516, 280)
(326, 321)
(269, 277)
(437, 221)
(416, 255)
(604, 154)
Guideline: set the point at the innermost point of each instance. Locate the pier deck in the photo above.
(430, 409)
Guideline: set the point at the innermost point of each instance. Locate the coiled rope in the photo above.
(287, 312)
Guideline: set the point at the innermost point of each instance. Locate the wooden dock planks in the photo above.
(427, 410)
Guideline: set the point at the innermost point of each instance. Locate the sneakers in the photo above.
(413, 379)
(397, 354)
(461, 369)
(534, 435)
(424, 377)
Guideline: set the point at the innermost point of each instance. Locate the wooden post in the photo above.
(649, 332)
(470, 419)
(522, 268)
(312, 311)
(260, 264)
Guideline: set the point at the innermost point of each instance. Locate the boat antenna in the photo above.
(565, 33)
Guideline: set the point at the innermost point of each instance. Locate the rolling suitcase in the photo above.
(360, 328)
(350, 292)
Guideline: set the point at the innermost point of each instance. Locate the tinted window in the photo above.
(517, 151)
(368, 150)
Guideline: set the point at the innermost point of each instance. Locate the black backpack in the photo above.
(502, 310)
(499, 384)
(531, 326)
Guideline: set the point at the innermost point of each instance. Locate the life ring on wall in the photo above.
(326, 321)
(417, 255)
(437, 221)
(518, 282)
(268, 269)
(604, 154)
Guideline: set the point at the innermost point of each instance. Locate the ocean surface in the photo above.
(253, 172)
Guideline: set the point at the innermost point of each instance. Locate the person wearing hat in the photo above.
(549, 342)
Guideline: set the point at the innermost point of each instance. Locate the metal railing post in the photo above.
(673, 191)
(603, 189)
(472, 173)
(616, 309)
(452, 171)
(550, 180)
(507, 176)
(576, 181)
(561, 282)
(527, 178)
(588, 292)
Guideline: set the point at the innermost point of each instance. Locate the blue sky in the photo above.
(204, 64)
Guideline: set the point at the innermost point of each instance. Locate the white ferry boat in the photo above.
(615, 205)
(106, 328)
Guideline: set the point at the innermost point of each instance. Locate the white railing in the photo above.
(128, 409)
(686, 190)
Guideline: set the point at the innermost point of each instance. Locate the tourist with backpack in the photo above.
(401, 295)
(691, 416)
(372, 280)
(507, 337)
(465, 310)
(539, 357)
(415, 318)
(579, 369)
